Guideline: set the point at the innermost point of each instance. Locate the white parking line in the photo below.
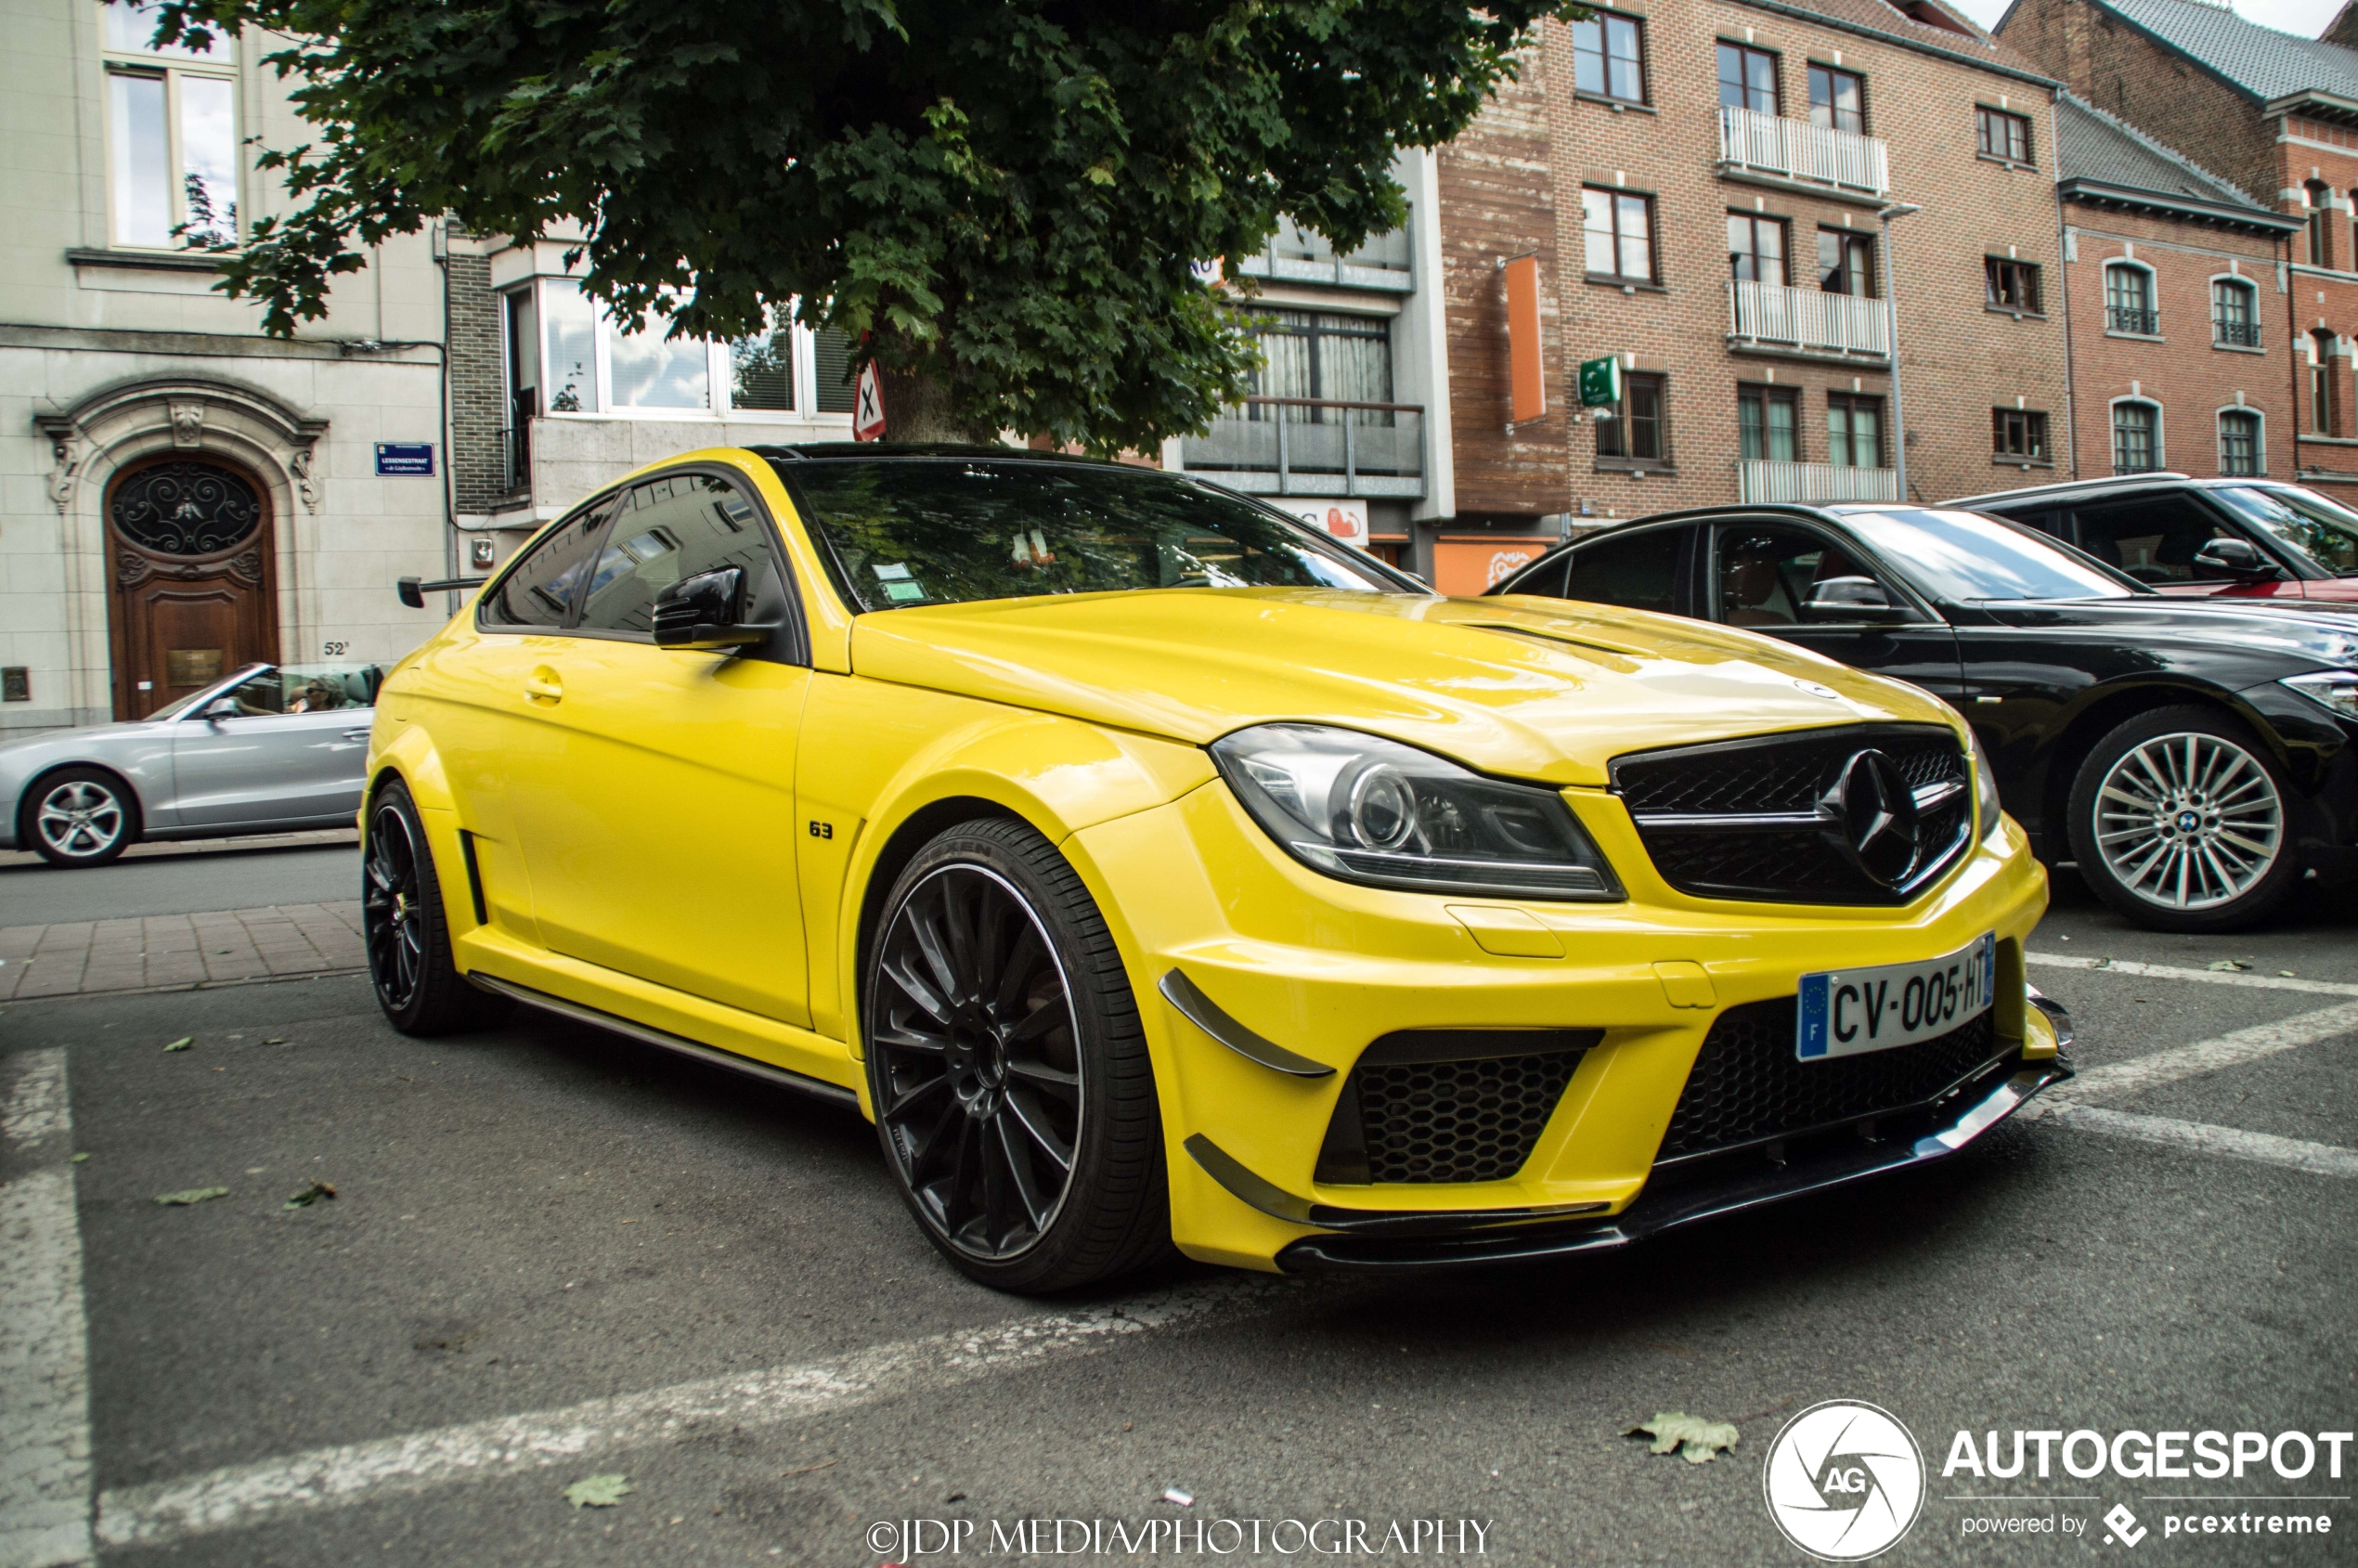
(242, 1495)
(2209, 977)
(45, 1371)
(2261, 1149)
(2211, 1056)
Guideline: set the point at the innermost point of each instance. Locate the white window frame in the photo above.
(716, 371)
(222, 64)
(2161, 432)
(2211, 301)
(2153, 294)
(2218, 429)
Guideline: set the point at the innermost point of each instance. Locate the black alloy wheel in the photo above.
(79, 817)
(1009, 1076)
(405, 930)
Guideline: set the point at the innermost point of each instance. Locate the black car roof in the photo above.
(2109, 485)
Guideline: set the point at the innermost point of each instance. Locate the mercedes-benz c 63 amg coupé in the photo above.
(1152, 870)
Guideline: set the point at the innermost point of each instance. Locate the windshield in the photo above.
(2324, 531)
(1963, 556)
(946, 531)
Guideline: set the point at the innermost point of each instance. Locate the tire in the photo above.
(2181, 821)
(79, 817)
(406, 930)
(1014, 1095)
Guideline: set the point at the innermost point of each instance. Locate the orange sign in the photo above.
(1525, 376)
(1463, 568)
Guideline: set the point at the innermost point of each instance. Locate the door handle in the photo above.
(542, 685)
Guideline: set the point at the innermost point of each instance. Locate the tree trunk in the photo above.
(920, 408)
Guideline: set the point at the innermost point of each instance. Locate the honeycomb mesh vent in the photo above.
(1472, 1121)
(1748, 1087)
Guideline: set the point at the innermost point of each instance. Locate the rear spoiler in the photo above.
(413, 590)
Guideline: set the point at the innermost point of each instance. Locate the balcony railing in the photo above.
(1296, 256)
(2236, 334)
(2133, 318)
(1808, 318)
(1760, 480)
(1314, 447)
(1795, 150)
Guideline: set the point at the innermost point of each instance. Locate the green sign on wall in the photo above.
(1600, 381)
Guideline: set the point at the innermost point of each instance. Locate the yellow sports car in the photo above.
(1153, 870)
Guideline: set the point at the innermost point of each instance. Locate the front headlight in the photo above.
(2337, 689)
(1376, 811)
(1986, 810)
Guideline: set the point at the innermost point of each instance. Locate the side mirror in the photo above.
(706, 611)
(413, 590)
(2240, 559)
(219, 709)
(1853, 599)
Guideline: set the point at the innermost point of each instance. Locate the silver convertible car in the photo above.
(273, 748)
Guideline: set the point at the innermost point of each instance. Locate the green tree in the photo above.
(1004, 201)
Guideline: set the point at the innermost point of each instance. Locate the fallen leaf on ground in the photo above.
(1172, 1494)
(2228, 966)
(276, 1039)
(807, 1469)
(194, 1195)
(598, 1491)
(182, 1043)
(2288, 974)
(310, 1195)
(1697, 1440)
(77, 1159)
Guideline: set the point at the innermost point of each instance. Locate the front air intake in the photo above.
(1433, 1106)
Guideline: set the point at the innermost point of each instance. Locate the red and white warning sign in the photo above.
(867, 405)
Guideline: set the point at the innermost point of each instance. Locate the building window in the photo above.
(1768, 422)
(2009, 285)
(1747, 79)
(1621, 235)
(566, 356)
(2234, 312)
(2325, 411)
(2001, 135)
(1854, 431)
(1846, 263)
(172, 134)
(2018, 434)
(2129, 300)
(1837, 100)
(1636, 429)
(1756, 248)
(2321, 208)
(1325, 358)
(1608, 57)
(2239, 441)
(2136, 437)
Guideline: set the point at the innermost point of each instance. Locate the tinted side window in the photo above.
(1770, 572)
(668, 529)
(1637, 570)
(539, 592)
(2152, 538)
(1546, 580)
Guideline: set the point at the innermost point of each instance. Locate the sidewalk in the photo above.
(163, 951)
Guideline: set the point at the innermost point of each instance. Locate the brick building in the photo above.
(1703, 182)
(2273, 115)
(2174, 290)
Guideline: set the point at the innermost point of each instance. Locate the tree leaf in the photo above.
(194, 1195)
(598, 1491)
(182, 1043)
(310, 1195)
(1697, 1440)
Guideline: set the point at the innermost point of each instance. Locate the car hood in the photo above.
(2307, 632)
(1531, 688)
(83, 738)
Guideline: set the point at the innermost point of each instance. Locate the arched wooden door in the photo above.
(193, 566)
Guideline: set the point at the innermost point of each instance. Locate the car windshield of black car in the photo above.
(2321, 529)
(945, 532)
(1962, 556)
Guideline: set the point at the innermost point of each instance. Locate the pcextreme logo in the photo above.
(1845, 1480)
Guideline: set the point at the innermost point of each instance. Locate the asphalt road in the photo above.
(545, 1217)
(36, 893)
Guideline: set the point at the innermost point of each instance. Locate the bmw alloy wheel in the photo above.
(2189, 820)
(979, 1064)
(393, 917)
(80, 819)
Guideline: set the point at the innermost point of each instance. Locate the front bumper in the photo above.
(1288, 981)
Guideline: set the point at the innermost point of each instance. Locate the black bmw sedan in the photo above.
(2195, 758)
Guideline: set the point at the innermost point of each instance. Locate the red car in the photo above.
(2244, 538)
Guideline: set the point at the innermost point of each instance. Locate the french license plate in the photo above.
(1846, 1012)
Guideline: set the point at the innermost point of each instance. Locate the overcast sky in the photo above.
(2307, 17)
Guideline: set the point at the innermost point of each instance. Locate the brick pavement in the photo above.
(160, 952)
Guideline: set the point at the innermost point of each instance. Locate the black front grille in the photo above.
(1688, 804)
(1747, 1087)
(1448, 1106)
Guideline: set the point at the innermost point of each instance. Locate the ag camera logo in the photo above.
(1845, 1480)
